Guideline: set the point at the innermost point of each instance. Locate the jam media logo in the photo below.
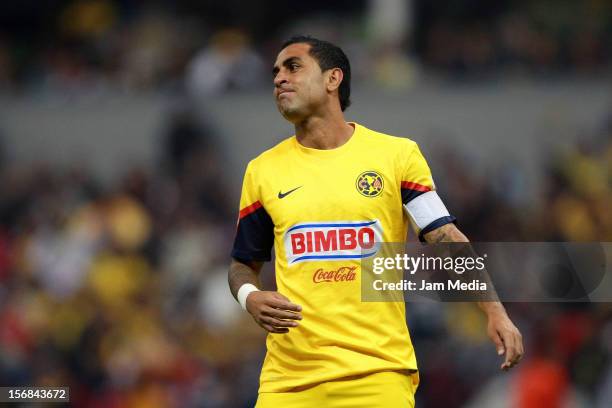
(335, 240)
(370, 184)
(342, 274)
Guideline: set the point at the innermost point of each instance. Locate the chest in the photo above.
(338, 190)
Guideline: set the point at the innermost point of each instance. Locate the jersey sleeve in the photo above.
(255, 230)
(421, 201)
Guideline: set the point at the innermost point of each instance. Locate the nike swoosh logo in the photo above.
(283, 195)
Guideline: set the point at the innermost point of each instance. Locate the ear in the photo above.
(334, 79)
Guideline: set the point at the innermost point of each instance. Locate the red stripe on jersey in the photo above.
(415, 186)
(250, 209)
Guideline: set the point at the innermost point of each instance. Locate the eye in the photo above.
(293, 66)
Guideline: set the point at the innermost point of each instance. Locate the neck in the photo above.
(324, 132)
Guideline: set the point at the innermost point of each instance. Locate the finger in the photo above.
(273, 329)
(508, 344)
(514, 348)
(511, 350)
(511, 354)
(520, 350)
(284, 304)
(278, 323)
(281, 314)
(280, 296)
(507, 366)
(499, 344)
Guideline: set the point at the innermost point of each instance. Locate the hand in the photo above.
(507, 339)
(273, 311)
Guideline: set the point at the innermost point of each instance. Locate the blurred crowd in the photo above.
(206, 47)
(568, 359)
(515, 38)
(120, 291)
(573, 204)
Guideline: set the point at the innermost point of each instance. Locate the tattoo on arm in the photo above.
(241, 273)
(450, 233)
(446, 233)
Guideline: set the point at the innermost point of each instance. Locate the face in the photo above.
(299, 85)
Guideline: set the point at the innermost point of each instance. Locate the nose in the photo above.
(280, 79)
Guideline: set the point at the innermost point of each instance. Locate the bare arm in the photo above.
(450, 233)
(500, 328)
(271, 310)
(241, 273)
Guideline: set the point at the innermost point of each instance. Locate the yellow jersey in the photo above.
(323, 211)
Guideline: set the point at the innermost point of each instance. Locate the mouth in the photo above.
(283, 92)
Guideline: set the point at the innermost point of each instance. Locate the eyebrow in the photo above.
(285, 64)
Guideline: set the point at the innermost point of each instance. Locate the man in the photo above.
(319, 198)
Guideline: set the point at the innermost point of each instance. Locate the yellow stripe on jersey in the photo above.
(322, 210)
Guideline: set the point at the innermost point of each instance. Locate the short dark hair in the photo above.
(328, 56)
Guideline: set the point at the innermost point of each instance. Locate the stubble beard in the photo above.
(290, 113)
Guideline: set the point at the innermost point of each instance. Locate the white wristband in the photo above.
(243, 292)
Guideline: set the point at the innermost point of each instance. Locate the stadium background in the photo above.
(125, 127)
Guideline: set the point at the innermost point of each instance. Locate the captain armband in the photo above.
(428, 212)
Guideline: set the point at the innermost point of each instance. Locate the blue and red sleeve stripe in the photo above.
(249, 209)
(411, 190)
(254, 235)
